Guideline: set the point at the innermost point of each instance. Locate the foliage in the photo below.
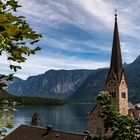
(6, 118)
(16, 41)
(36, 120)
(122, 127)
(27, 100)
(16, 37)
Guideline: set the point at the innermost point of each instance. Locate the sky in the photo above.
(77, 34)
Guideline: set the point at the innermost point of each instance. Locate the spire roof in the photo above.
(116, 59)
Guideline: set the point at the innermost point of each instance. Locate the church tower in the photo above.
(116, 83)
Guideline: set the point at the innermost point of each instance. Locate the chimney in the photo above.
(49, 128)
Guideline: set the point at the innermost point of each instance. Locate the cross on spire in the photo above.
(116, 13)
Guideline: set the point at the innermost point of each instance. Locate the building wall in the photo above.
(123, 101)
(95, 123)
(120, 89)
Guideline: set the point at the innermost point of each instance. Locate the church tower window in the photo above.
(113, 94)
(123, 95)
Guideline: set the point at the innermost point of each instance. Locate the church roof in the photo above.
(116, 59)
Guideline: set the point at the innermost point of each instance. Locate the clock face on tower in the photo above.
(123, 82)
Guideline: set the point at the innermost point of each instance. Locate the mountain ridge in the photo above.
(52, 84)
(75, 85)
(88, 94)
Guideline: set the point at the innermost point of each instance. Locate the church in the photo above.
(117, 86)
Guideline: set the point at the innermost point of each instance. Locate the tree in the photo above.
(16, 37)
(16, 42)
(122, 127)
(36, 120)
(6, 117)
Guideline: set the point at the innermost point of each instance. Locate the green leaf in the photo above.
(15, 68)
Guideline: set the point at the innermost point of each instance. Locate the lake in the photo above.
(69, 117)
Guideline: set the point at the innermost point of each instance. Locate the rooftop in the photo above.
(27, 132)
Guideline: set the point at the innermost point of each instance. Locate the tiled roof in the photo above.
(26, 132)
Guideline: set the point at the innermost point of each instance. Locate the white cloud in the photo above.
(38, 64)
(75, 46)
(91, 16)
(129, 52)
(88, 15)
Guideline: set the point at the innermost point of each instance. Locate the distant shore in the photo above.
(28, 100)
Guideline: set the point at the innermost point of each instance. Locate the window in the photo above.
(113, 94)
(123, 95)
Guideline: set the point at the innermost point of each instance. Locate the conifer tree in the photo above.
(36, 120)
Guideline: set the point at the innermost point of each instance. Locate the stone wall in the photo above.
(95, 124)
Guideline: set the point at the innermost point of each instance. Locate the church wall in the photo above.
(123, 101)
(115, 99)
(95, 123)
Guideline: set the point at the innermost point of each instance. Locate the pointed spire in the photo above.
(116, 59)
(116, 13)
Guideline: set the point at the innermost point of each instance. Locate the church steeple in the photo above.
(116, 59)
(116, 83)
(116, 86)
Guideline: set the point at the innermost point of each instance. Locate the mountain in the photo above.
(15, 86)
(133, 79)
(95, 82)
(52, 84)
(91, 86)
(75, 85)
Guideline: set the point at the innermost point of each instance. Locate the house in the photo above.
(27, 132)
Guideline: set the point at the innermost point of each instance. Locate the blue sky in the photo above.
(77, 34)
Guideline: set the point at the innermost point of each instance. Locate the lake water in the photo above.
(69, 117)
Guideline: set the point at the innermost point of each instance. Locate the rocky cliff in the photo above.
(52, 84)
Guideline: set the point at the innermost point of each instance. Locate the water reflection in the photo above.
(70, 118)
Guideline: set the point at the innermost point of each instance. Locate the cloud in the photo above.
(37, 65)
(78, 33)
(127, 50)
(88, 15)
